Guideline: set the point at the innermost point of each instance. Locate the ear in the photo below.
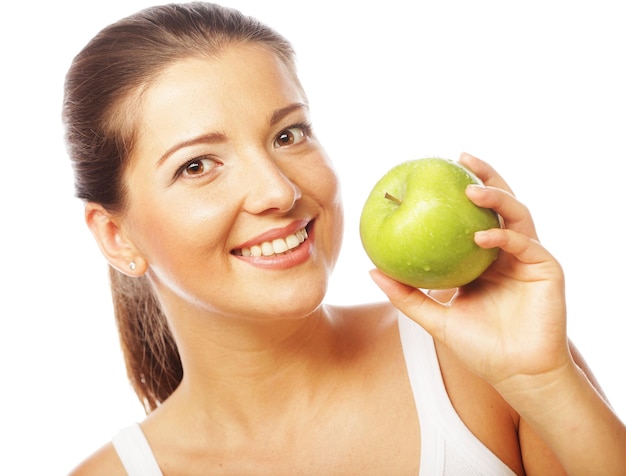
(114, 245)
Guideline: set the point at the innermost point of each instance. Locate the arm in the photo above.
(581, 427)
(509, 327)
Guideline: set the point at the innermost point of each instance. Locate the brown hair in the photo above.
(103, 83)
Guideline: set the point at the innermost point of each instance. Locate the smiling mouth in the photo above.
(274, 247)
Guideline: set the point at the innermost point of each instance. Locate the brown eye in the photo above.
(197, 167)
(290, 136)
(194, 168)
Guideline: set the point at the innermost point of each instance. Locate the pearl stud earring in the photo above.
(132, 265)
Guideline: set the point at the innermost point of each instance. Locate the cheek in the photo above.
(172, 230)
(322, 180)
(328, 193)
(331, 187)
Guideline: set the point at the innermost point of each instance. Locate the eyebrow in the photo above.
(279, 114)
(219, 137)
(212, 138)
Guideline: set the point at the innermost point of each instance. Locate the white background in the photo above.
(536, 88)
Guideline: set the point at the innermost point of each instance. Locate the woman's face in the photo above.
(225, 182)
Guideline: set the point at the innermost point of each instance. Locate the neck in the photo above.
(248, 370)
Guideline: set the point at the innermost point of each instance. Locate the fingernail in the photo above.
(479, 235)
(476, 187)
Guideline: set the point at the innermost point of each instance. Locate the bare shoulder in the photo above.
(103, 462)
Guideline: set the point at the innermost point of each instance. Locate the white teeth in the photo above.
(277, 246)
(267, 248)
(291, 242)
(280, 245)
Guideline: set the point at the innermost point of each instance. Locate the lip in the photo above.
(274, 234)
(280, 261)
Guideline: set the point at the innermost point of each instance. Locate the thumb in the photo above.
(414, 303)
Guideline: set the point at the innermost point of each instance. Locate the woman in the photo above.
(219, 213)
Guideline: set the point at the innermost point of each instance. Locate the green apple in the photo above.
(417, 225)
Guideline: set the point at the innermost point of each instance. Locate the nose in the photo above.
(268, 187)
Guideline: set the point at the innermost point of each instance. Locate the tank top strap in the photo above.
(135, 453)
(448, 446)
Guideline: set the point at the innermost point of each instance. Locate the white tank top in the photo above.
(448, 446)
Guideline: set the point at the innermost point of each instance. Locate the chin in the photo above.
(297, 305)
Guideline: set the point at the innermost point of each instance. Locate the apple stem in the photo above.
(388, 196)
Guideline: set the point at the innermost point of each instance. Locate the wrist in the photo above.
(539, 396)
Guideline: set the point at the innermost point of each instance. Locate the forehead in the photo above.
(248, 71)
(209, 94)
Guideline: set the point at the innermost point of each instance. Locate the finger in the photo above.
(514, 213)
(524, 248)
(484, 171)
(414, 303)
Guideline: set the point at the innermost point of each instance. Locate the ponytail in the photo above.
(152, 360)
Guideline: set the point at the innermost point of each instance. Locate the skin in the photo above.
(274, 379)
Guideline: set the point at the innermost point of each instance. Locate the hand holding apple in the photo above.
(417, 225)
(509, 328)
